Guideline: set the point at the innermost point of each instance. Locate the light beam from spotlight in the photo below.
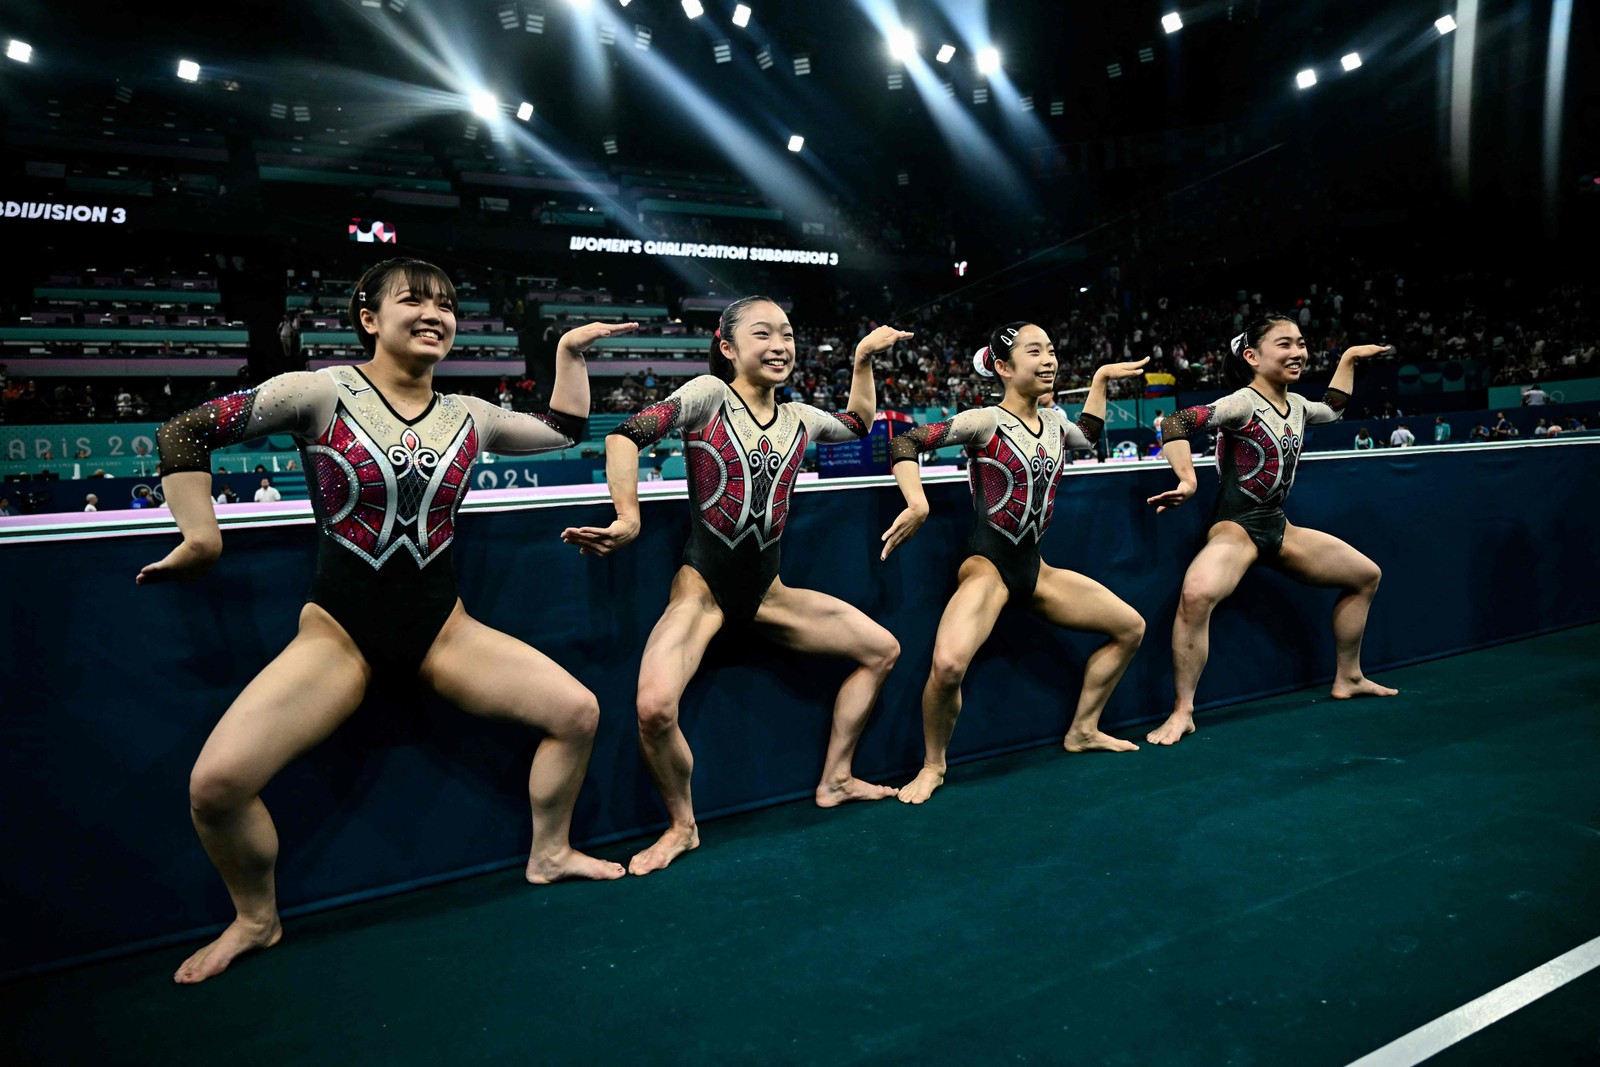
(484, 105)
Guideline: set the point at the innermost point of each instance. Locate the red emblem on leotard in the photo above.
(741, 492)
(1263, 465)
(1017, 489)
(376, 502)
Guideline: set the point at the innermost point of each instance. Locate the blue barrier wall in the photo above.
(111, 688)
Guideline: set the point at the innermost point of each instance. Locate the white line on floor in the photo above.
(1435, 1037)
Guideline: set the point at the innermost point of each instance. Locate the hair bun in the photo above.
(983, 362)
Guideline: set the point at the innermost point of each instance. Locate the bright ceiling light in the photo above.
(741, 16)
(1171, 22)
(525, 111)
(188, 70)
(20, 51)
(1306, 79)
(693, 8)
(988, 60)
(796, 142)
(946, 53)
(902, 44)
(1446, 24)
(1351, 61)
(484, 105)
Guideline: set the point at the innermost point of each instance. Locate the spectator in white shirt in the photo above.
(1402, 437)
(91, 503)
(1535, 396)
(267, 494)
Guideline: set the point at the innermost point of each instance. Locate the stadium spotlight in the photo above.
(902, 44)
(693, 8)
(947, 52)
(1171, 22)
(1306, 79)
(525, 111)
(484, 105)
(796, 142)
(988, 60)
(1083, 288)
(741, 16)
(624, 3)
(1445, 25)
(188, 70)
(1351, 61)
(20, 51)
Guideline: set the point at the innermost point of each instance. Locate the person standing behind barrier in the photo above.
(1364, 440)
(1016, 452)
(389, 462)
(1402, 437)
(267, 494)
(745, 451)
(1441, 431)
(1260, 431)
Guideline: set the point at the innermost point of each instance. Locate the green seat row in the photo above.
(143, 296)
(183, 335)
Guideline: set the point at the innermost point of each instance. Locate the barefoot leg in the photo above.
(487, 673)
(808, 621)
(671, 656)
(291, 706)
(1213, 575)
(967, 621)
(1321, 559)
(1076, 602)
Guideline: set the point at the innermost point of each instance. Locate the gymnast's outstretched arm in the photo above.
(297, 403)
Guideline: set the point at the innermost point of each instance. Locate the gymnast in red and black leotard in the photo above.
(744, 451)
(1260, 431)
(1016, 451)
(387, 461)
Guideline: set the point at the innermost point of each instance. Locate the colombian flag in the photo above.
(1158, 384)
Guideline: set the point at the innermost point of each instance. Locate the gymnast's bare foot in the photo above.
(832, 794)
(240, 937)
(1178, 725)
(1095, 741)
(1361, 687)
(568, 862)
(922, 786)
(672, 844)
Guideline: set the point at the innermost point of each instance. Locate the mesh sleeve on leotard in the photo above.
(1230, 412)
(1089, 427)
(830, 427)
(689, 407)
(289, 403)
(973, 427)
(1334, 401)
(514, 433)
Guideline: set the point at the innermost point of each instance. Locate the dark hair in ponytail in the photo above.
(1235, 371)
(732, 315)
(999, 347)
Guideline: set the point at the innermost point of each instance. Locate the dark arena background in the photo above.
(189, 194)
